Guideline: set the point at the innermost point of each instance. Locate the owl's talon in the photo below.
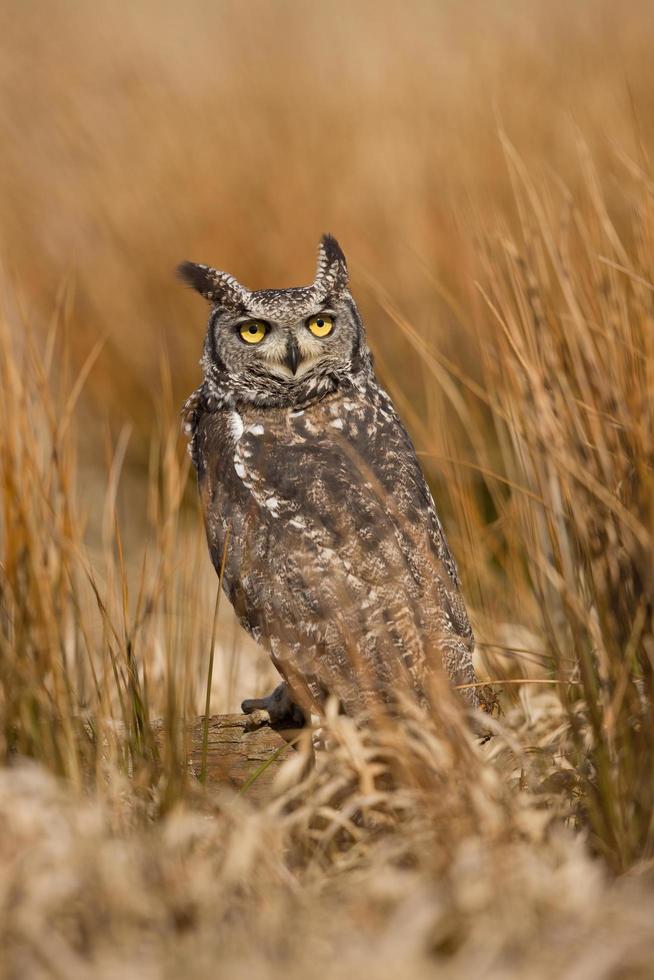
(253, 704)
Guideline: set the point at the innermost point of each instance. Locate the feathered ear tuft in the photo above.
(331, 273)
(198, 276)
(219, 288)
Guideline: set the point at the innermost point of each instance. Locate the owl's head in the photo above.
(282, 346)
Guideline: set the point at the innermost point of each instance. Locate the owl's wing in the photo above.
(336, 559)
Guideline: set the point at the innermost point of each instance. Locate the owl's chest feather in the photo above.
(273, 456)
(323, 476)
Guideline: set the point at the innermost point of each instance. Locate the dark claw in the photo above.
(253, 704)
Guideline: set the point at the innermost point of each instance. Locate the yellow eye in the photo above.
(253, 331)
(320, 326)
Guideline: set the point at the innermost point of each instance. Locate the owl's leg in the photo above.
(278, 709)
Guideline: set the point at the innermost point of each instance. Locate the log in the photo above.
(244, 760)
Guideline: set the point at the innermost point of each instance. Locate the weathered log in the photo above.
(243, 760)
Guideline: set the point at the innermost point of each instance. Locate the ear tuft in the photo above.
(331, 274)
(199, 277)
(219, 288)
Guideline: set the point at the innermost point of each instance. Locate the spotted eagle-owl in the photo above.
(336, 559)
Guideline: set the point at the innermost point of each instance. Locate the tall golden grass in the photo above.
(486, 167)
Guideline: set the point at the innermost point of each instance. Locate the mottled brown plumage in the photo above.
(337, 563)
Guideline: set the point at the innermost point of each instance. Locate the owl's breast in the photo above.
(343, 465)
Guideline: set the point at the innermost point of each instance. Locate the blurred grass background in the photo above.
(486, 167)
(137, 135)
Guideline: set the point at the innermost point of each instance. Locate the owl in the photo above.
(317, 513)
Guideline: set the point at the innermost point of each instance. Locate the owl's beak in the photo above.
(292, 358)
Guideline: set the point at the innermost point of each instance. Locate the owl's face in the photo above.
(310, 340)
(282, 346)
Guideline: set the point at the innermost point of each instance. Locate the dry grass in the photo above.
(490, 163)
